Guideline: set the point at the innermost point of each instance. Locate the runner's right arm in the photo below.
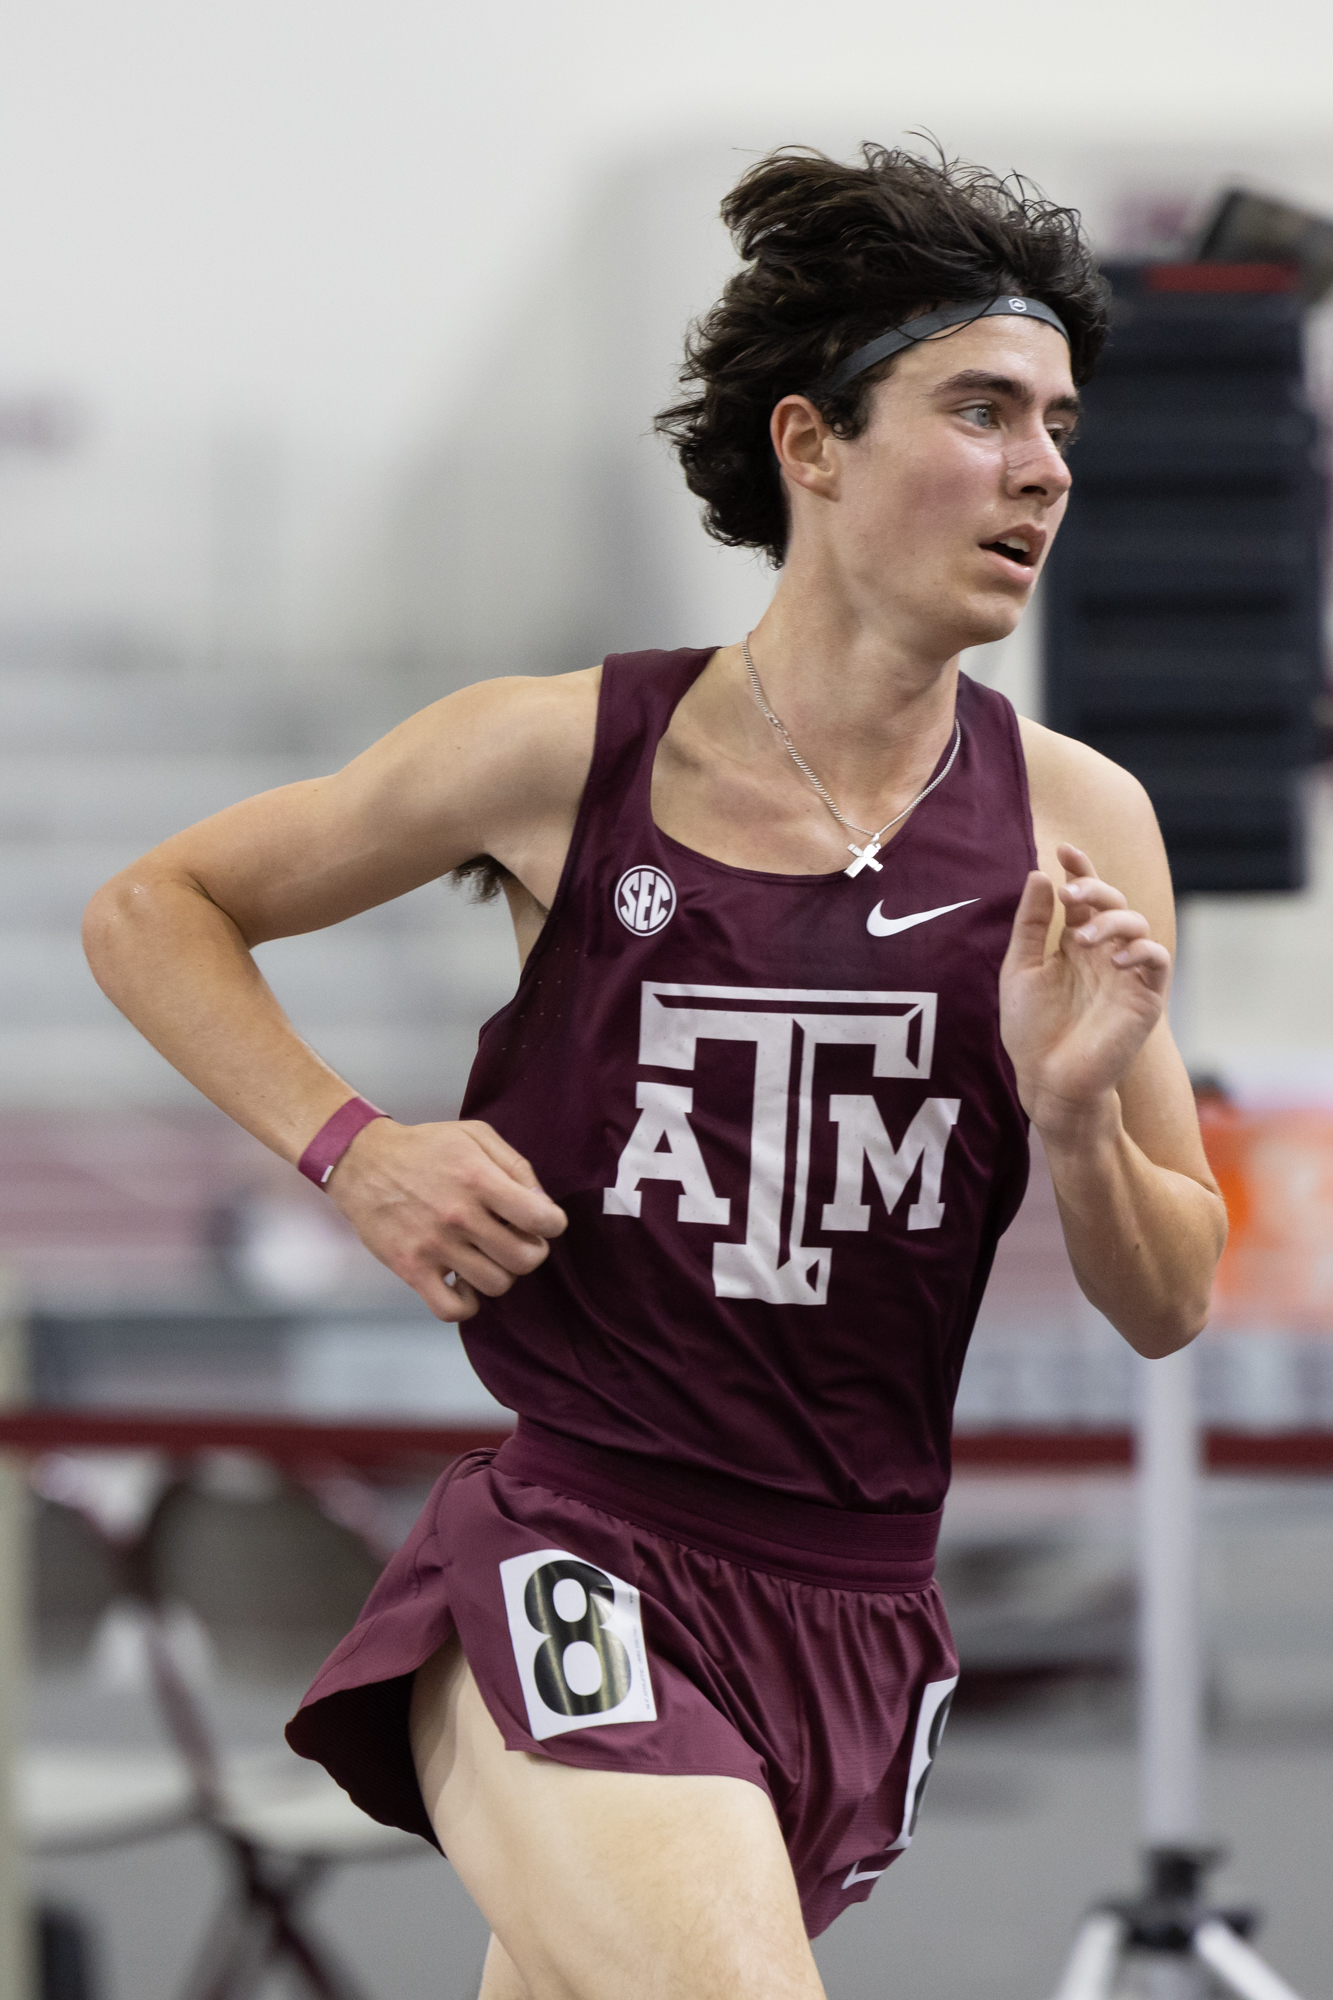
(496, 769)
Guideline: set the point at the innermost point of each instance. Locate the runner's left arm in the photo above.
(1083, 995)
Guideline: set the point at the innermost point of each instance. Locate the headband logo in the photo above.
(1018, 305)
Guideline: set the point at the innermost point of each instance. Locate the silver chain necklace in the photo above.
(865, 856)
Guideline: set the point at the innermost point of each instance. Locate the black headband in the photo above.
(880, 349)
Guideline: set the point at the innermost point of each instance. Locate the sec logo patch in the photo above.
(645, 900)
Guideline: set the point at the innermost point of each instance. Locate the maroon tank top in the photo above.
(778, 1114)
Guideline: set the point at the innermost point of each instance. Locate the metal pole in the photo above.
(1095, 1959)
(15, 1942)
(1240, 1970)
(1171, 1706)
(1170, 1699)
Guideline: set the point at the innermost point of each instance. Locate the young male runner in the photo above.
(664, 1676)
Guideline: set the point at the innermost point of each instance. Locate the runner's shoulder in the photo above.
(1074, 787)
(531, 729)
(517, 745)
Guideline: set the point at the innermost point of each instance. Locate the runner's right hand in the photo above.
(446, 1202)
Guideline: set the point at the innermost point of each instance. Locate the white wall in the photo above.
(298, 207)
(312, 221)
(369, 311)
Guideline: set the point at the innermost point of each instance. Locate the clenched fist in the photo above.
(450, 1208)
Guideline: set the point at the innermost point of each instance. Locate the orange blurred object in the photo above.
(1275, 1170)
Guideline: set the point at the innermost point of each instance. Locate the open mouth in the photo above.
(1014, 550)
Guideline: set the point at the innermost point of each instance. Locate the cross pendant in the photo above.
(865, 858)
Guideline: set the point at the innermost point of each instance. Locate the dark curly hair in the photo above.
(834, 255)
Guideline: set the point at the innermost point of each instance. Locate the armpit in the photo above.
(482, 877)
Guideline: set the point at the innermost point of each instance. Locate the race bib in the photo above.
(577, 1634)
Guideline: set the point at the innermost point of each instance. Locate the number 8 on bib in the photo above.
(577, 1634)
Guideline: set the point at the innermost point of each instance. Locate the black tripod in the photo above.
(1190, 1948)
(1185, 1949)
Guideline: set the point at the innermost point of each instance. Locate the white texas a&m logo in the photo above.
(645, 900)
(782, 1023)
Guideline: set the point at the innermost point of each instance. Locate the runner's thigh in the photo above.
(603, 1883)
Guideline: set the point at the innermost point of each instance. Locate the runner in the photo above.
(812, 925)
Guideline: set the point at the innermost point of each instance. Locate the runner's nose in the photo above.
(1034, 465)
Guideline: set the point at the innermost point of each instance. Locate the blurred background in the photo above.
(330, 340)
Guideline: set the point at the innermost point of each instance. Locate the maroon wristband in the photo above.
(331, 1141)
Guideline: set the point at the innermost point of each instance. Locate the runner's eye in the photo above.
(981, 414)
(1062, 436)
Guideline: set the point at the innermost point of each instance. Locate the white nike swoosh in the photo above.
(859, 1874)
(880, 926)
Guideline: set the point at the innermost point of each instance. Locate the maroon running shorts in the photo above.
(623, 1616)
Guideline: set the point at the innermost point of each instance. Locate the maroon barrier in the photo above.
(287, 1441)
(1309, 1452)
(283, 1441)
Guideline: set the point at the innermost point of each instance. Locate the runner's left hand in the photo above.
(1074, 1021)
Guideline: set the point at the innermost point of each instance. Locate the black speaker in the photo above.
(1184, 593)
